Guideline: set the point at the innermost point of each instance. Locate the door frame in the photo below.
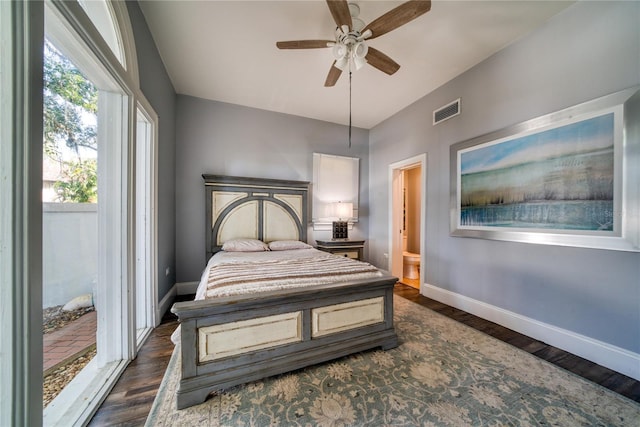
(395, 215)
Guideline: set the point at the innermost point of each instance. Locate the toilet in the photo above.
(411, 265)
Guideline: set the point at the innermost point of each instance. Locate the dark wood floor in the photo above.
(130, 401)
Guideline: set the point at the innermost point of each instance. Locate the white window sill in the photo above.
(80, 399)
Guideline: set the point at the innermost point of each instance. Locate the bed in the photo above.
(236, 337)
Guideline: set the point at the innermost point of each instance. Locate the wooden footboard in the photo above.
(234, 340)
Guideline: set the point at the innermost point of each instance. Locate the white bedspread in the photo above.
(237, 273)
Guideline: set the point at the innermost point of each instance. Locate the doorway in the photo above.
(407, 212)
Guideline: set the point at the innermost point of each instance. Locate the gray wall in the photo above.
(157, 88)
(589, 50)
(226, 139)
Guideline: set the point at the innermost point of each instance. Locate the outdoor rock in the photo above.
(83, 301)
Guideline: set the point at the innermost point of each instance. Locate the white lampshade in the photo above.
(339, 51)
(341, 211)
(342, 63)
(359, 62)
(360, 50)
(341, 55)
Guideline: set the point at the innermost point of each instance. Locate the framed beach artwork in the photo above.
(569, 178)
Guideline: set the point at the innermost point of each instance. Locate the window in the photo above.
(335, 179)
(101, 14)
(22, 31)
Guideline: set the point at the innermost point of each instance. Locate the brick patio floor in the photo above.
(69, 341)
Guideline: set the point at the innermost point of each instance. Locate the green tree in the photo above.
(81, 182)
(69, 98)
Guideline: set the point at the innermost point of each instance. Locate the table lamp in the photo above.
(343, 212)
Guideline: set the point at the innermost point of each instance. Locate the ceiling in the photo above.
(226, 51)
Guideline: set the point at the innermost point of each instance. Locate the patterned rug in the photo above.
(442, 374)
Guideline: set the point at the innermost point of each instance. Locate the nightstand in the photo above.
(349, 248)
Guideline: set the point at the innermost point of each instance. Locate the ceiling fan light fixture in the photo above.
(360, 50)
(360, 55)
(341, 63)
(357, 24)
(340, 51)
(359, 62)
(354, 10)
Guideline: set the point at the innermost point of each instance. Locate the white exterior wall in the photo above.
(69, 251)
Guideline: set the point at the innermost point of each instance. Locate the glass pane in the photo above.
(69, 221)
(100, 13)
(143, 226)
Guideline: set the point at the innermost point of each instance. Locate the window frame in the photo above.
(335, 179)
(21, 40)
(22, 32)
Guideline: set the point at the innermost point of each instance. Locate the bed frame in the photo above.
(233, 340)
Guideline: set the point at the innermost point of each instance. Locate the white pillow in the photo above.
(286, 245)
(244, 245)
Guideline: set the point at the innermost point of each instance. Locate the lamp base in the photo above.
(340, 230)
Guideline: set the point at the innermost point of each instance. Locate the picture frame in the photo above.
(569, 178)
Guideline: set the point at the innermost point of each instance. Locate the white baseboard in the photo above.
(620, 360)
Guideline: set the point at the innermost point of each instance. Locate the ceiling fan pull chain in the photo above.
(349, 107)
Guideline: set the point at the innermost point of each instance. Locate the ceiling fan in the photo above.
(350, 35)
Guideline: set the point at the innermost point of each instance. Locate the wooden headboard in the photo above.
(263, 209)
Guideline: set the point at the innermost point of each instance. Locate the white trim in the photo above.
(141, 337)
(394, 169)
(112, 336)
(396, 180)
(146, 154)
(121, 15)
(21, 37)
(186, 288)
(59, 412)
(62, 20)
(166, 302)
(620, 360)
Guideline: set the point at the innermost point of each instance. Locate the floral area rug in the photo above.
(442, 374)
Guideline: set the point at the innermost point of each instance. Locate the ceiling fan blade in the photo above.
(303, 44)
(340, 12)
(381, 61)
(333, 76)
(397, 17)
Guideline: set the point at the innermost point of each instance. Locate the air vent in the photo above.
(450, 110)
